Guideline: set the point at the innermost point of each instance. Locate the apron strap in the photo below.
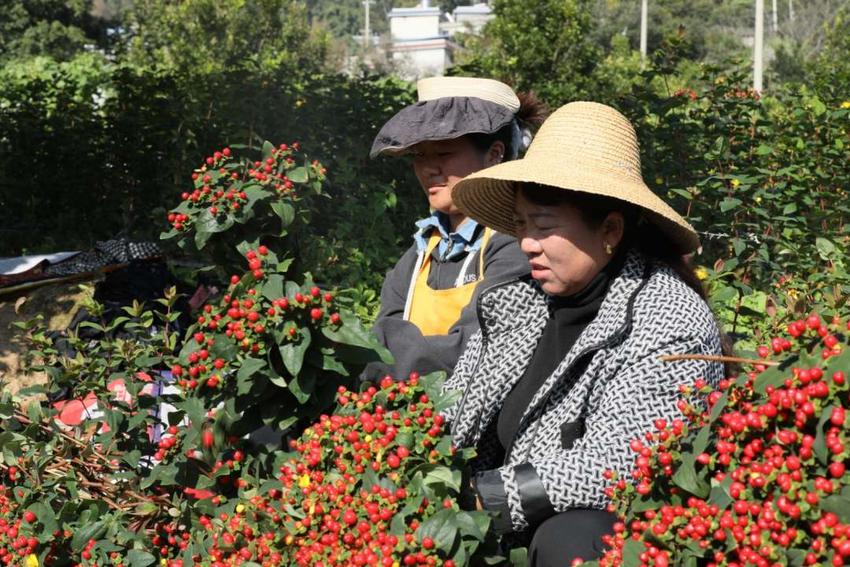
(485, 240)
(465, 266)
(422, 259)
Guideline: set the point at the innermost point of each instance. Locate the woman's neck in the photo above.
(455, 220)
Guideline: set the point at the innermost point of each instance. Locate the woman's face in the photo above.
(439, 165)
(564, 253)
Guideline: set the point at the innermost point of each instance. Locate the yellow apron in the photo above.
(434, 311)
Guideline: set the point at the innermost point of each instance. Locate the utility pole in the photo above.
(367, 39)
(775, 17)
(758, 48)
(644, 9)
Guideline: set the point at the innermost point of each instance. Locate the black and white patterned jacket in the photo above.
(610, 387)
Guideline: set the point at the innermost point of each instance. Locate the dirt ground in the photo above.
(58, 303)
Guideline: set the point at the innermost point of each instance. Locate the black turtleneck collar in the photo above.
(569, 315)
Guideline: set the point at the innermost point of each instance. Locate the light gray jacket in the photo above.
(608, 390)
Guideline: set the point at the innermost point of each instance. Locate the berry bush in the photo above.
(758, 477)
(158, 444)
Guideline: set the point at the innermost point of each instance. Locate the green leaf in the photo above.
(442, 527)
(773, 376)
(139, 558)
(441, 476)
(468, 525)
(46, 517)
(351, 332)
(250, 366)
(632, 551)
(838, 504)
(303, 385)
(273, 288)
(796, 557)
(719, 495)
(729, 203)
(687, 478)
(819, 446)
(132, 458)
(223, 347)
(739, 246)
(94, 530)
(285, 211)
(268, 149)
(298, 175)
(292, 288)
(825, 247)
(293, 353)
(398, 525)
(701, 440)
(330, 363)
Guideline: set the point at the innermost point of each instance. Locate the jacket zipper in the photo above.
(589, 350)
(610, 341)
(483, 347)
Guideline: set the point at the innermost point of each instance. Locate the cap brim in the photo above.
(439, 119)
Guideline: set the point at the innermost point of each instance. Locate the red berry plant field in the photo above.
(758, 477)
(241, 439)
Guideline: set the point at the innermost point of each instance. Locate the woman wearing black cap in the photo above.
(460, 125)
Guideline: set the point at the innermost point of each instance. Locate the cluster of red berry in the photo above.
(683, 92)
(355, 492)
(757, 478)
(251, 319)
(341, 517)
(222, 184)
(14, 545)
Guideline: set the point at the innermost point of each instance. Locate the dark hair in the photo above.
(531, 114)
(640, 234)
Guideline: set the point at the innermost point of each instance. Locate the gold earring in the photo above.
(609, 249)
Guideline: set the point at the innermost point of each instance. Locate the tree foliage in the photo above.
(58, 28)
(542, 45)
(207, 36)
(714, 28)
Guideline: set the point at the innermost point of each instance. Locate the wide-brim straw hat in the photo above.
(448, 108)
(583, 146)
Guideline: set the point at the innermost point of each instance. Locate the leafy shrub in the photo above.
(164, 447)
(759, 478)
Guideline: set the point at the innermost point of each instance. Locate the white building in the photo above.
(421, 36)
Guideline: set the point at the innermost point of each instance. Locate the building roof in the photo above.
(482, 9)
(418, 11)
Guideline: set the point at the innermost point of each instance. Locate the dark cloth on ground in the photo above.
(568, 536)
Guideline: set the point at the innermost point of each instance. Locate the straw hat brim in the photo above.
(487, 196)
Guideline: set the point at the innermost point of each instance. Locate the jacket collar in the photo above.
(608, 328)
(518, 303)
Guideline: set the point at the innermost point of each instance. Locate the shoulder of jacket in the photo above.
(681, 306)
(403, 267)
(511, 298)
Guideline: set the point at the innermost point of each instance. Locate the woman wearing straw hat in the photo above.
(459, 125)
(567, 367)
